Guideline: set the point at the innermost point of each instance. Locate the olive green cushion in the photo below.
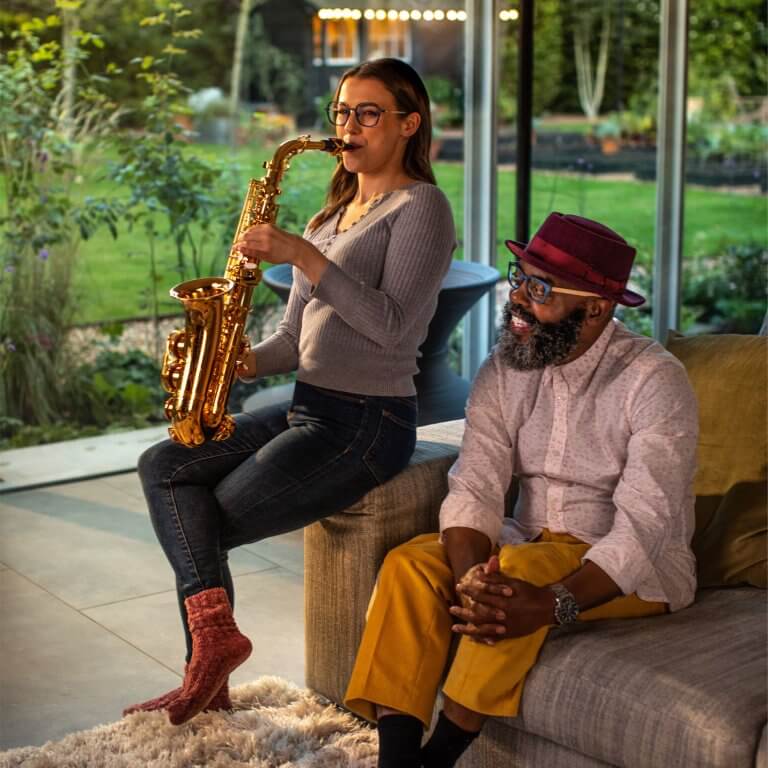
(729, 375)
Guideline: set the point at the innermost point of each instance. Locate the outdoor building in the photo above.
(332, 39)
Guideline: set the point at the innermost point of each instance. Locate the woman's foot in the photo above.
(219, 702)
(161, 702)
(218, 648)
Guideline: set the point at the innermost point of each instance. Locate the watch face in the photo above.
(566, 608)
(566, 611)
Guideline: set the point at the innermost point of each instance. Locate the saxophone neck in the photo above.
(281, 159)
(260, 206)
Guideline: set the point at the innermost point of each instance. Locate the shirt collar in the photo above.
(581, 369)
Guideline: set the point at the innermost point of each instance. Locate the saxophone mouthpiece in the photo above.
(335, 146)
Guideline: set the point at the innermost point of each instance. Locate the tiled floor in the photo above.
(88, 616)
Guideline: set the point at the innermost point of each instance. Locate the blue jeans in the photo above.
(278, 472)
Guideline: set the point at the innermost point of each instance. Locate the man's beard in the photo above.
(546, 343)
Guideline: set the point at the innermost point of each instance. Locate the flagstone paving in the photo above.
(89, 615)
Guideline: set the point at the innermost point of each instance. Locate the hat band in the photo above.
(577, 268)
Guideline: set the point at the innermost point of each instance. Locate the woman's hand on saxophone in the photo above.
(266, 242)
(246, 364)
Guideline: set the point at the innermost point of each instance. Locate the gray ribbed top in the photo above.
(359, 329)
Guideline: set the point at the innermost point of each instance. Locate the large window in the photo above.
(387, 37)
(596, 101)
(341, 41)
(725, 249)
(595, 96)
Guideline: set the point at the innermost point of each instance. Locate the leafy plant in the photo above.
(118, 387)
(747, 141)
(447, 101)
(43, 222)
(173, 193)
(118, 390)
(278, 75)
(727, 291)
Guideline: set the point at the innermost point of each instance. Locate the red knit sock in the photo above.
(220, 701)
(161, 702)
(218, 648)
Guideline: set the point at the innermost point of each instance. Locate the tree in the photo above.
(237, 59)
(548, 59)
(727, 56)
(591, 84)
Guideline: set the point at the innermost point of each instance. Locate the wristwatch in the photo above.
(566, 607)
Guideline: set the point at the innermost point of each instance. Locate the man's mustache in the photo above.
(517, 309)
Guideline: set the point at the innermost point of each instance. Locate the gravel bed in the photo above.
(88, 340)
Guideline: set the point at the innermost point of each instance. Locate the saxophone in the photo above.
(200, 361)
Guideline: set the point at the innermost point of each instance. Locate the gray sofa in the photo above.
(686, 689)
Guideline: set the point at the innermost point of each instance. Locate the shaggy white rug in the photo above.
(274, 724)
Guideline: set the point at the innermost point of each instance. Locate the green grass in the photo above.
(113, 276)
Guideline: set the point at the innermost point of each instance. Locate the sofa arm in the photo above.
(343, 553)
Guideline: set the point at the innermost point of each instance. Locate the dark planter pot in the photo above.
(441, 392)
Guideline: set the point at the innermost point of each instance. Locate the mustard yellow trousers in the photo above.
(404, 652)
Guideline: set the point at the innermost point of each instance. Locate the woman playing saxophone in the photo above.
(366, 276)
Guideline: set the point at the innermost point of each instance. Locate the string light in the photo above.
(380, 14)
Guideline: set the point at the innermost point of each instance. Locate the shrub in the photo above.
(118, 387)
(174, 194)
(43, 221)
(727, 291)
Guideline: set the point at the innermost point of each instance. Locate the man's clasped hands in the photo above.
(496, 607)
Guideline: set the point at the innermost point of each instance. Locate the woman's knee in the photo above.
(156, 463)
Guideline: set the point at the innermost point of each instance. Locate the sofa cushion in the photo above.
(728, 374)
(686, 688)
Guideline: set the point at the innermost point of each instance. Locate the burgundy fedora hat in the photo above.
(583, 252)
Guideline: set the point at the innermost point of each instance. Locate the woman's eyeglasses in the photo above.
(538, 289)
(367, 114)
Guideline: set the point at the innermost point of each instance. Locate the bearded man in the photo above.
(598, 425)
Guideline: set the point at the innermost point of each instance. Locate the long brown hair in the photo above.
(410, 95)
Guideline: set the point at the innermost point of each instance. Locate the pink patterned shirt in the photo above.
(603, 448)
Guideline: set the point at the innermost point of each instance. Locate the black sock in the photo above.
(446, 745)
(400, 741)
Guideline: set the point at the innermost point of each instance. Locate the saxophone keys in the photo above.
(169, 408)
(251, 276)
(171, 375)
(177, 343)
(225, 429)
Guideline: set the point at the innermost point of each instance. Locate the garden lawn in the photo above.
(113, 276)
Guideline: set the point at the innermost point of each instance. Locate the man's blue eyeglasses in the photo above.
(537, 288)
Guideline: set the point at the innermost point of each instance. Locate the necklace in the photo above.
(372, 201)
